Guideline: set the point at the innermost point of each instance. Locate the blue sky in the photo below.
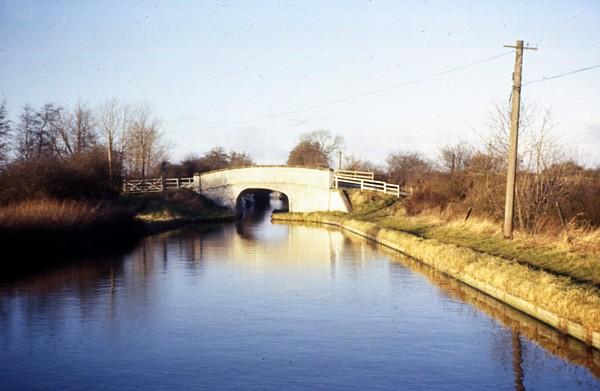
(201, 64)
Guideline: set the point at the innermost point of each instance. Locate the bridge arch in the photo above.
(307, 189)
(260, 197)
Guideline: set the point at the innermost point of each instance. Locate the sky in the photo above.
(247, 75)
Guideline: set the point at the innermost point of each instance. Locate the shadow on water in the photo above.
(43, 259)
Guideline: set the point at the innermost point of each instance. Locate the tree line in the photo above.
(129, 135)
(553, 188)
(78, 152)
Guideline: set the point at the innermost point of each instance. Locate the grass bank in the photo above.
(568, 303)
(157, 213)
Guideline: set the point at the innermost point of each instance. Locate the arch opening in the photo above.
(261, 200)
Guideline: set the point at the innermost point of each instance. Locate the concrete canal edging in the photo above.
(541, 295)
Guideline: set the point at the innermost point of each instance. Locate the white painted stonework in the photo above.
(307, 189)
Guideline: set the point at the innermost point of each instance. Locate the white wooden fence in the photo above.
(355, 174)
(365, 181)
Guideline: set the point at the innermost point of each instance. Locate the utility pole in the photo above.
(339, 152)
(514, 140)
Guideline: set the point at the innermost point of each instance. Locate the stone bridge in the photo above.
(307, 189)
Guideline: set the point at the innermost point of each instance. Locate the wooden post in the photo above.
(509, 207)
(468, 213)
(163, 179)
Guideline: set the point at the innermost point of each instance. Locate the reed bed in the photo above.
(52, 214)
(53, 227)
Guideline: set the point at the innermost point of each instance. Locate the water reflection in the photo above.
(517, 360)
(517, 324)
(271, 306)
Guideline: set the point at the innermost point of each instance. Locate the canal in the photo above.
(257, 305)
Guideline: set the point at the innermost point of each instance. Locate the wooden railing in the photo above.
(365, 181)
(179, 183)
(155, 185)
(355, 174)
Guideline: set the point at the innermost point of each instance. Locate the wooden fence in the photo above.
(155, 185)
(355, 174)
(365, 181)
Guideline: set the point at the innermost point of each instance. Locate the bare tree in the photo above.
(538, 188)
(144, 146)
(5, 133)
(82, 129)
(308, 153)
(113, 120)
(452, 161)
(214, 159)
(351, 162)
(240, 159)
(408, 168)
(50, 125)
(326, 142)
(453, 158)
(25, 133)
(315, 149)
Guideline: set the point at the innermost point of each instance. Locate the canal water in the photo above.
(257, 305)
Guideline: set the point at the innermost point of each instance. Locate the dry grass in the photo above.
(574, 252)
(39, 233)
(51, 214)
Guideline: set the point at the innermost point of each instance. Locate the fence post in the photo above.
(468, 213)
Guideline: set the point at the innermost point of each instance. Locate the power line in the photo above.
(562, 74)
(349, 98)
